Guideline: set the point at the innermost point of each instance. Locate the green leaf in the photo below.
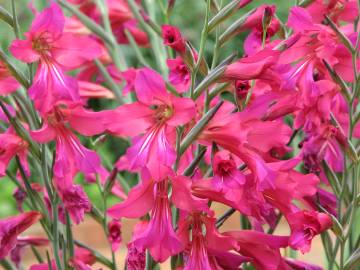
(234, 29)
(354, 261)
(6, 16)
(223, 14)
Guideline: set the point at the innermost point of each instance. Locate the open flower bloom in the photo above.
(158, 234)
(46, 42)
(71, 155)
(11, 227)
(305, 225)
(207, 249)
(262, 249)
(226, 173)
(246, 136)
(12, 145)
(74, 198)
(345, 11)
(316, 43)
(8, 83)
(155, 116)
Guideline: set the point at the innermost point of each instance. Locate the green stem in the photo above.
(15, 20)
(55, 233)
(204, 34)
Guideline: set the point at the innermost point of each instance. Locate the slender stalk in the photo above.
(15, 20)
(203, 39)
(55, 233)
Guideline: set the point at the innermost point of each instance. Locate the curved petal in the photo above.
(71, 51)
(150, 87)
(129, 119)
(22, 50)
(86, 122)
(183, 111)
(50, 20)
(139, 202)
(45, 134)
(183, 199)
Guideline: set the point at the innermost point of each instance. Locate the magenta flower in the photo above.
(12, 145)
(207, 249)
(179, 74)
(262, 249)
(256, 66)
(345, 11)
(8, 84)
(71, 155)
(316, 43)
(135, 258)
(173, 38)
(158, 235)
(74, 199)
(226, 173)
(11, 227)
(155, 115)
(305, 225)
(46, 42)
(114, 237)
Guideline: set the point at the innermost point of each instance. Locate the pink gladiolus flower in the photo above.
(207, 249)
(326, 199)
(262, 249)
(74, 199)
(323, 146)
(71, 156)
(155, 115)
(262, 17)
(12, 145)
(337, 10)
(158, 235)
(226, 173)
(183, 198)
(309, 48)
(173, 38)
(136, 258)
(46, 42)
(11, 227)
(257, 66)
(114, 237)
(8, 84)
(179, 75)
(305, 226)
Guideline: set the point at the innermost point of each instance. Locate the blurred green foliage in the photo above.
(188, 15)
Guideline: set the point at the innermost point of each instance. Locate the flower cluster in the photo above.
(270, 133)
